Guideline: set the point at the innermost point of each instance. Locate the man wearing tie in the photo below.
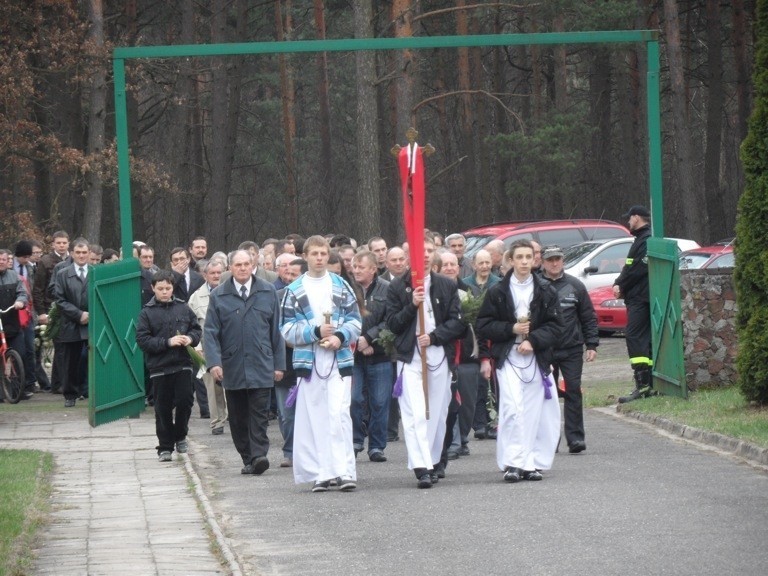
(245, 353)
(186, 280)
(71, 292)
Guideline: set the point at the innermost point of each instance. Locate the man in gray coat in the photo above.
(244, 350)
(71, 292)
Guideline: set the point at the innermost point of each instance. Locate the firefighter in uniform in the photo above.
(632, 285)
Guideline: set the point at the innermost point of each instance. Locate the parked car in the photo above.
(611, 312)
(715, 256)
(598, 263)
(564, 233)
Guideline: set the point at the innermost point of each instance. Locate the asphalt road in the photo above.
(635, 502)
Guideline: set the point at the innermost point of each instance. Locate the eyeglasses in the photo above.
(178, 259)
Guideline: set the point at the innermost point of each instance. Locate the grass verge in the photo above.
(25, 485)
(724, 411)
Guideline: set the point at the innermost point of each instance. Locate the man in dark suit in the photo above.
(186, 280)
(71, 292)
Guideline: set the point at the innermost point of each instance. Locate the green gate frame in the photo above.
(647, 37)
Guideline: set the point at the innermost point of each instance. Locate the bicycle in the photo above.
(12, 375)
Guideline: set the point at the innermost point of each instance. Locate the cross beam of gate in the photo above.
(120, 55)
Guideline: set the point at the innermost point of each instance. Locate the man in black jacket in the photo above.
(580, 330)
(521, 316)
(632, 285)
(442, 326)
(372, 377)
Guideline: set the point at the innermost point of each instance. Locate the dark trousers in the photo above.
(40, 374)
(28, 356)
(393, 421)
(568, 364)
(70, 368)
(201, 395)
(470, 383)
(248, 419)
(58, 367)
(638, 334)
(172, 390)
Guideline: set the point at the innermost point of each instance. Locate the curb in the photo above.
(210, 518)
(740, 448)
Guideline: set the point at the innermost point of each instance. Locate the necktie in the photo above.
(82, 274)
(21, 271)
(242, 291)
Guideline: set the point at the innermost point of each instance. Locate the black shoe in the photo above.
(27, 395)
(492, 434)
(577, 446)
(440, 470)
(636, 394)
(205, 415)
(533, 475)
(433, 477)
(512, 475)
(217, 431)
(394, 438)
(357, 451)
(480, 434)
(258, 466)
(464, 450)
(424, 481)
(377, 456)
(452, 455)
(70, 403)
(321, 486)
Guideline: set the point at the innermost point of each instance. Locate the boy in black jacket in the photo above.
(521, 316)
(166, 327)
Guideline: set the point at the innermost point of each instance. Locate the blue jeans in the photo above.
(371, 393)
(286, 417)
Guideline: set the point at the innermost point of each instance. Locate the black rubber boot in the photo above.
(643, 387)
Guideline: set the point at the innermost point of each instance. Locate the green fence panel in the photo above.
(115, 362)
(666, 318)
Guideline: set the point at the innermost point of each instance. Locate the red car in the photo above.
(611, 312)
(716, 256)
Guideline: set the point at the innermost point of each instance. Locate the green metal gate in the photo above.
(666, 318)
(115, 362)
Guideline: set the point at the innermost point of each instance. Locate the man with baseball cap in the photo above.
(580, 331)
(632, 285)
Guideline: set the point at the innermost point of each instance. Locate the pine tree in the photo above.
(751, 272)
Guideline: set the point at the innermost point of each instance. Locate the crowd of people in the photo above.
(337, 342)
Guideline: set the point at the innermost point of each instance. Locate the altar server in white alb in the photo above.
(521, 317)
(320, 319)
(442, 326)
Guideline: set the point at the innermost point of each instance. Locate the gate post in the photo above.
(666, 318)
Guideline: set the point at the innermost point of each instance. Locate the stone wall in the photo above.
(708, 303)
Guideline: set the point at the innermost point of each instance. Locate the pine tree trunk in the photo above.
(325, 167)
(368, 192)
(289, 121)
(713, 192)
(693, 215)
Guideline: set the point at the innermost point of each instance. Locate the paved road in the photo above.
(635, 502)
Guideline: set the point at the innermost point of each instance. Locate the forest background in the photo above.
(245, 148)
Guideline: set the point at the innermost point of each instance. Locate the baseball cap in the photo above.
(551, 252)
(637, 210)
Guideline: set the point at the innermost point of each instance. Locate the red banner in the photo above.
(411, 162)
